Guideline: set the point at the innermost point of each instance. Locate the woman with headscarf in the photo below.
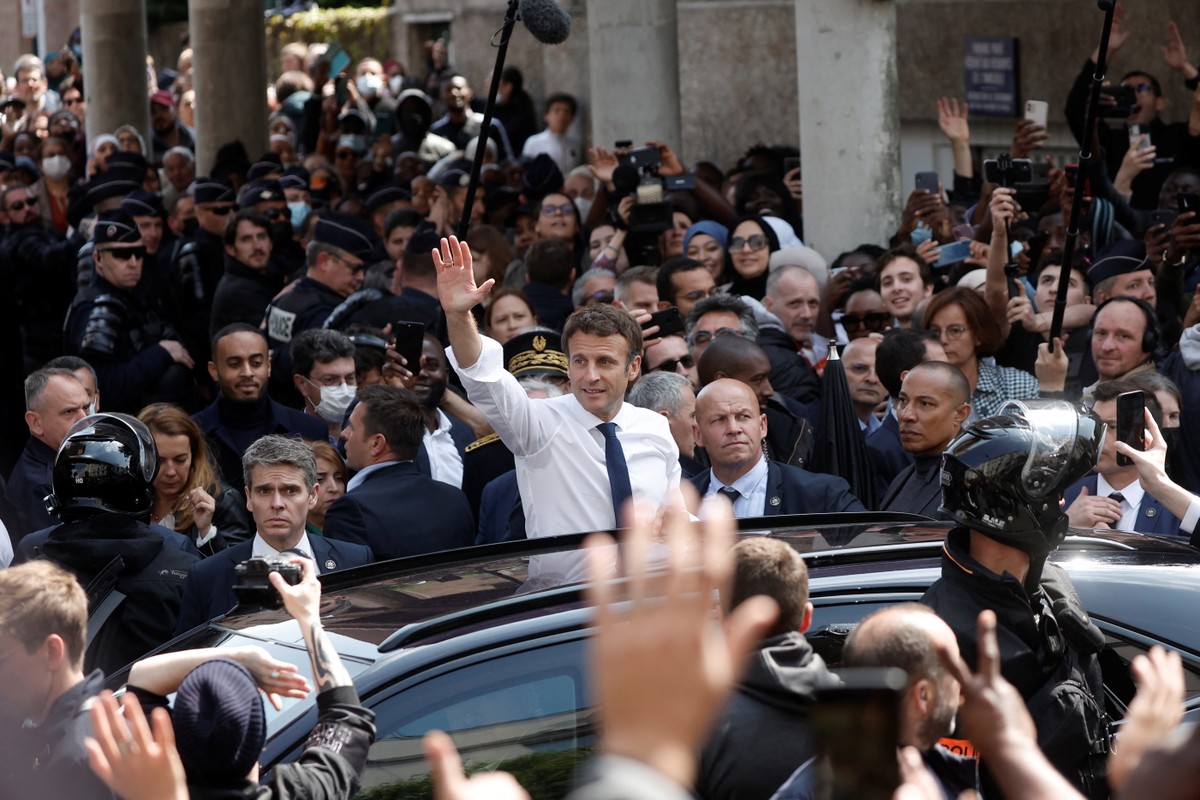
(706, 242)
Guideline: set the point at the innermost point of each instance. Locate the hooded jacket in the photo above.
(151, 577)
(763, 736)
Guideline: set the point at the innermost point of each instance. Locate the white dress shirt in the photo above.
(559, 453)
(362, 474)
(445, 462)
(751, 488)
(565, 151)
(260, 548)
(1132, 493)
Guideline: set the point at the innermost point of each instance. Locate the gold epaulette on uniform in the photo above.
(491, 437)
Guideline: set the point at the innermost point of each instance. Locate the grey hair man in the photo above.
(594, 286)
(719, 315)
(671, 394)
(281, 487)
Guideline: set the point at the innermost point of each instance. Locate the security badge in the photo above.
(775, 501)
(330, 564)
(1150, 512)
(111, 232)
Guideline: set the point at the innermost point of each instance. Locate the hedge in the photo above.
(361, 32)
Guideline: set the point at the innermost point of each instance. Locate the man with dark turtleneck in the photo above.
(933, 403)
(243, 412)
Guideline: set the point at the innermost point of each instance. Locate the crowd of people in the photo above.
(296, 355)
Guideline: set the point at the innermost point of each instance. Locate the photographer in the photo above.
(218, 715)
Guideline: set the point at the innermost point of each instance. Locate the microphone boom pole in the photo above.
(1085, 158)
(510, 20)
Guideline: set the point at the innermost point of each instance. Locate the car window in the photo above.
(1116, 658)
(527, 713)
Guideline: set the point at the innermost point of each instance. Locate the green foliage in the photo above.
(159, 12)
(362, 32)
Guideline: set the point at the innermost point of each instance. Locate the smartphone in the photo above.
(337, 58)
(669, 322)
(927, 181)
(1189, 201)
(953, 253)
(1138, 130)
(339, 90)
(790, 163)
(857, 729)
(1131, 423)
(1163, 216)
(1036, 111)
(410, 340)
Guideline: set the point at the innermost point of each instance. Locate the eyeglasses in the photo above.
(755, 242)
(74, 101)
(704, 337)
(342, 155)
(220, 211)
(672, 364)
(1140, 87)
(563, 210)
(21, 205)
(952, 333)
(874, 321)
(360, 266)
(274, 213)
(126, 253)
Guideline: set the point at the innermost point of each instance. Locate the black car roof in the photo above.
(389, 605)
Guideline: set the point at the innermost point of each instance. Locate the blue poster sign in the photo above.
(990, 74)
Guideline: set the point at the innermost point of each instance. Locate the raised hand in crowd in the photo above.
(1185, 237)
(1028, 136)
(602, 163)
(1116, 37)
(994, 717)
(952, 120)
(1175, 53)
(1154, 713)
(134, 761)
(1138, 158)
(1051, 367)
(1157, 239)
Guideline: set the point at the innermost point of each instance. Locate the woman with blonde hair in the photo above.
(331, 477)
(188, 494)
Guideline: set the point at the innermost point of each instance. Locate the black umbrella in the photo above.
(841, 448)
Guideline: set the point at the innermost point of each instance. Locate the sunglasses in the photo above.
(220, 211)
(74, 101)
(557, 211)
(21, 205)
(1140, 87)
(874, 321)
(361, 266)
(274, 213)
(704, 337)
(755, 242)
(126, 253)
(671, 364)
(342, 155)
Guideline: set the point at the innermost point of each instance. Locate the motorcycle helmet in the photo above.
(106, 463)
(1004, 476)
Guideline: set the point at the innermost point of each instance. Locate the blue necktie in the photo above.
(618, 470)
(731, 493)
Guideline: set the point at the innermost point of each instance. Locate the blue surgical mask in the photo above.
(299, 211)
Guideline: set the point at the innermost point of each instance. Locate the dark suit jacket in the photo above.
(30, 482)
(791, 490)
(281, 420)
(888, 457)
(922, 495)
(209, 593)
(1153, 516)
(31, 545)
(397, 511)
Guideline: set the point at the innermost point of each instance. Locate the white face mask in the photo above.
(334, 402)
(56, 167)
(584, 206)
(369, 84)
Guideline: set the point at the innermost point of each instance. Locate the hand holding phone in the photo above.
(1131, 423)
(410, 340)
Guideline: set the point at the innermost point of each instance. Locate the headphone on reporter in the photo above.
(1150, 337)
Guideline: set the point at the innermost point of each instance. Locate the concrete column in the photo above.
(229, 72)
(56, 20)
(114, 56)
(634, 59)
(849, 122)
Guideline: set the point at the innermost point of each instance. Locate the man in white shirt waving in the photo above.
(578, 456)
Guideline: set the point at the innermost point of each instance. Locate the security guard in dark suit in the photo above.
(138, 356)
(199, 262)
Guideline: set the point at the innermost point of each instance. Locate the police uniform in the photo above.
(310, 302)
(195, 271)
(119, 336)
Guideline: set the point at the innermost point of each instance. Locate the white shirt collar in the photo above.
(261, 548)
(362, 474)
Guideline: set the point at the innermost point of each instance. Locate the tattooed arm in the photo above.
(303, 602)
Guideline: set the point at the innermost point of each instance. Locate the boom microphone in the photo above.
(546, 20)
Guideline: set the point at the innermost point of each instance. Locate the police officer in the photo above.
(137, 356)
(337, 259)
(267, 197)
(199, 263)
(1003, 481)
(134, 577)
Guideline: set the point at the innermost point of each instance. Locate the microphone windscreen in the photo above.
(546, 20)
